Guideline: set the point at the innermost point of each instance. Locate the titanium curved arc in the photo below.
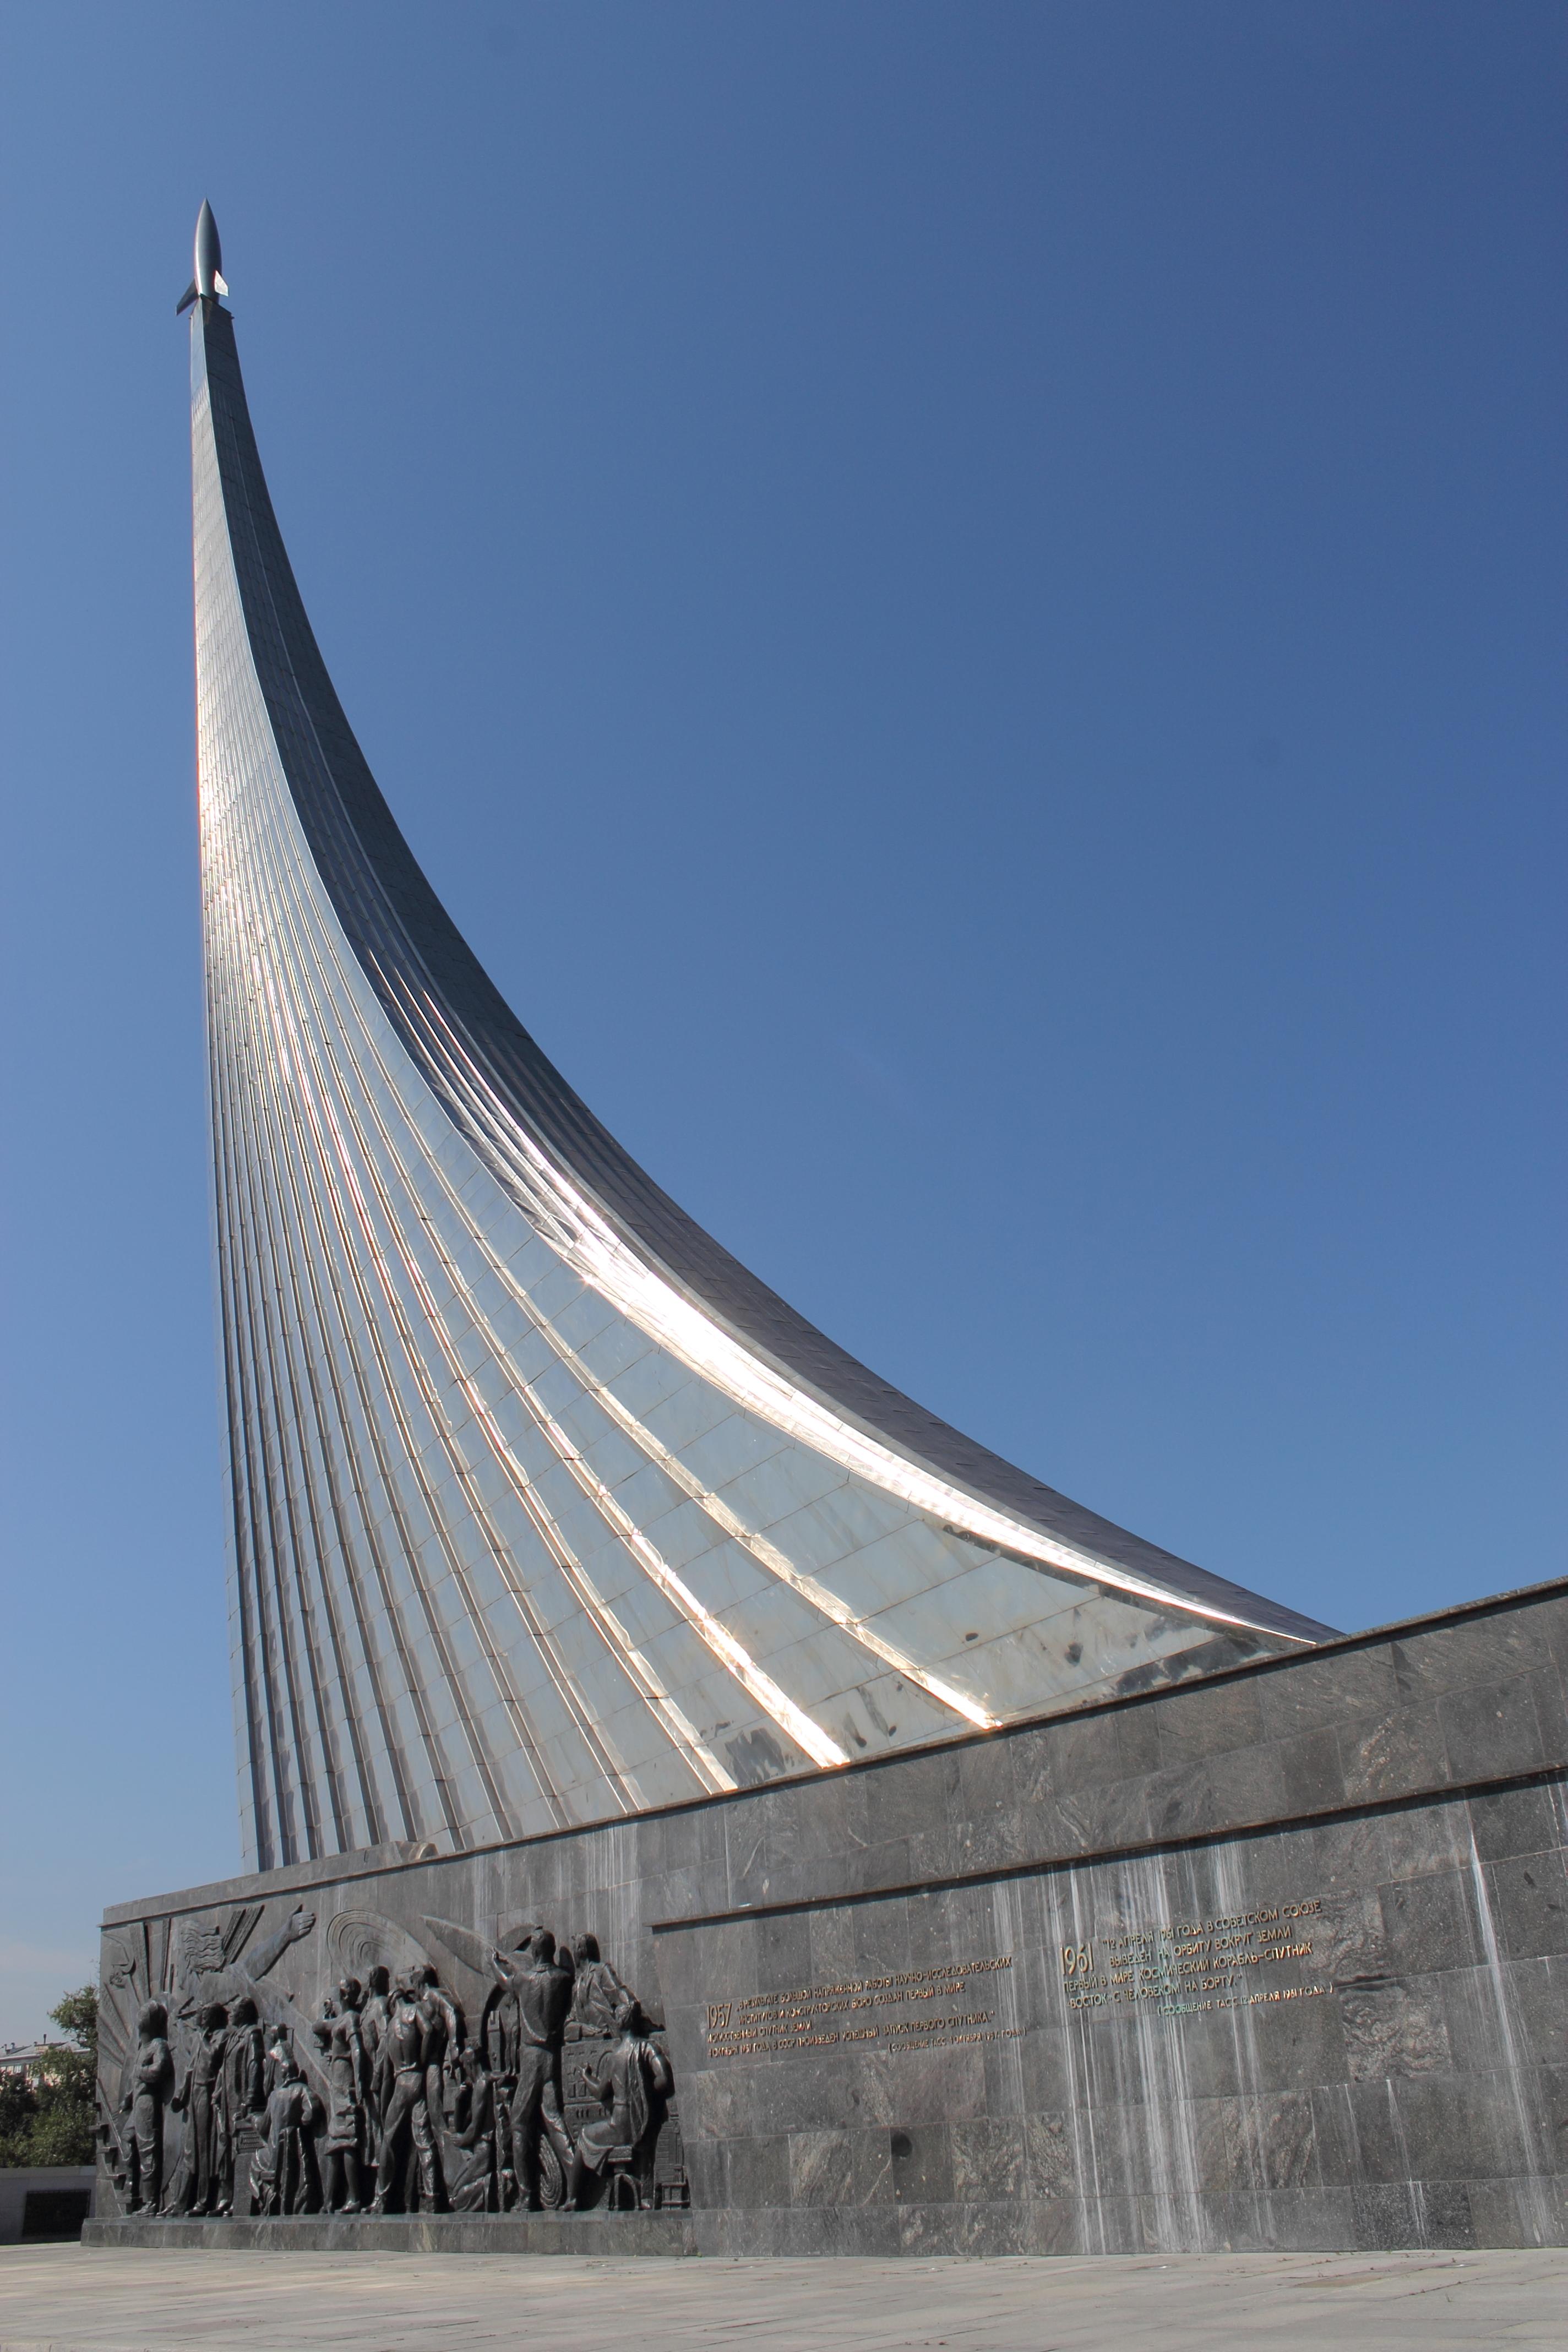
(266, 1749)
(710, 1771)
(288, 1420)
(438, 1772)
(775, 1702)
(434, 1630)
(500, 1674)
(706, 1767)
(481, 1366)
(719, 1512)
(632, 1278)
(270, 1499)
(489, 1766)
(591, 1243)
(310, 1313)
(238, 916)
(267, 1157)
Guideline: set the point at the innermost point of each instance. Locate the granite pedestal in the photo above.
(1275, 1959)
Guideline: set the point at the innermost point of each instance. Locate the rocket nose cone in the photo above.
(209, 251)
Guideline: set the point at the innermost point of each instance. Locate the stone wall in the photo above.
(1275, 1959)
(44, 2200)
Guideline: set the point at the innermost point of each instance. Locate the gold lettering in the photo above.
(1173, 1963)
(800, 2018)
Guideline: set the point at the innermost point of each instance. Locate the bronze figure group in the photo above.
(397, 2107)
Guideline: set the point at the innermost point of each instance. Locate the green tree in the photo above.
(18, 2107)
(48, 2117)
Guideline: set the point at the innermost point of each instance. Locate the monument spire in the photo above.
(545, 1509)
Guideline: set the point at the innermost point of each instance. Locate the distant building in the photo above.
(22, 2057)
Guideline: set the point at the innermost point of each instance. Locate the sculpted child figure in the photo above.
(280, 2057)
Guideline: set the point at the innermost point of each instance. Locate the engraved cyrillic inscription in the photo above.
(1183, 1966)
(803, 2018)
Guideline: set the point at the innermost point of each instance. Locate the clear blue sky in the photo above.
(965, 604)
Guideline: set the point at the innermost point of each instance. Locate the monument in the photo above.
(690, 1793)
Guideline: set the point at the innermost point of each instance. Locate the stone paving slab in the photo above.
(79, 2299)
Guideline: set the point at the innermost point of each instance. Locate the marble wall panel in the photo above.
(1228, 1965)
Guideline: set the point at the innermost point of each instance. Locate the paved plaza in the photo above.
(69, 2299)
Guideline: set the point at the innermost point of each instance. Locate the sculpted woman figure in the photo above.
(344, 2144)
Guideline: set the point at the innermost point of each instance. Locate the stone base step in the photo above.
(603, 2233)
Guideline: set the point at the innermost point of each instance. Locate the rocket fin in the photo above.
(219, 282)
(186, 299)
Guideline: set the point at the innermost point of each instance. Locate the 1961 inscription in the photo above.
(1184, 1967)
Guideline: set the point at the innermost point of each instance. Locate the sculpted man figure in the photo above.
(633, 2080)
(599, 1996)
(208, 2169)
(443, 2036)
(268, 1954)
(542, 1990)
(149, 2085)
(406, 2117)
(374, 2013)
(499, 2033)
(244, 2091)
(245, 2066)
(283, 2173)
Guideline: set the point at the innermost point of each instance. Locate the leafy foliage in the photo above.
(18, 2107)
(46, 2115)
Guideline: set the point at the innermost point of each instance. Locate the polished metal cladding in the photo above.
(208, 280)
(545, 1510)
(208, 254)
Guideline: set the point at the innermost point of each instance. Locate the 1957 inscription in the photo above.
(803, 2019)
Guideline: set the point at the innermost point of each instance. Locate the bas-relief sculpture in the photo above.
(381, 2099)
